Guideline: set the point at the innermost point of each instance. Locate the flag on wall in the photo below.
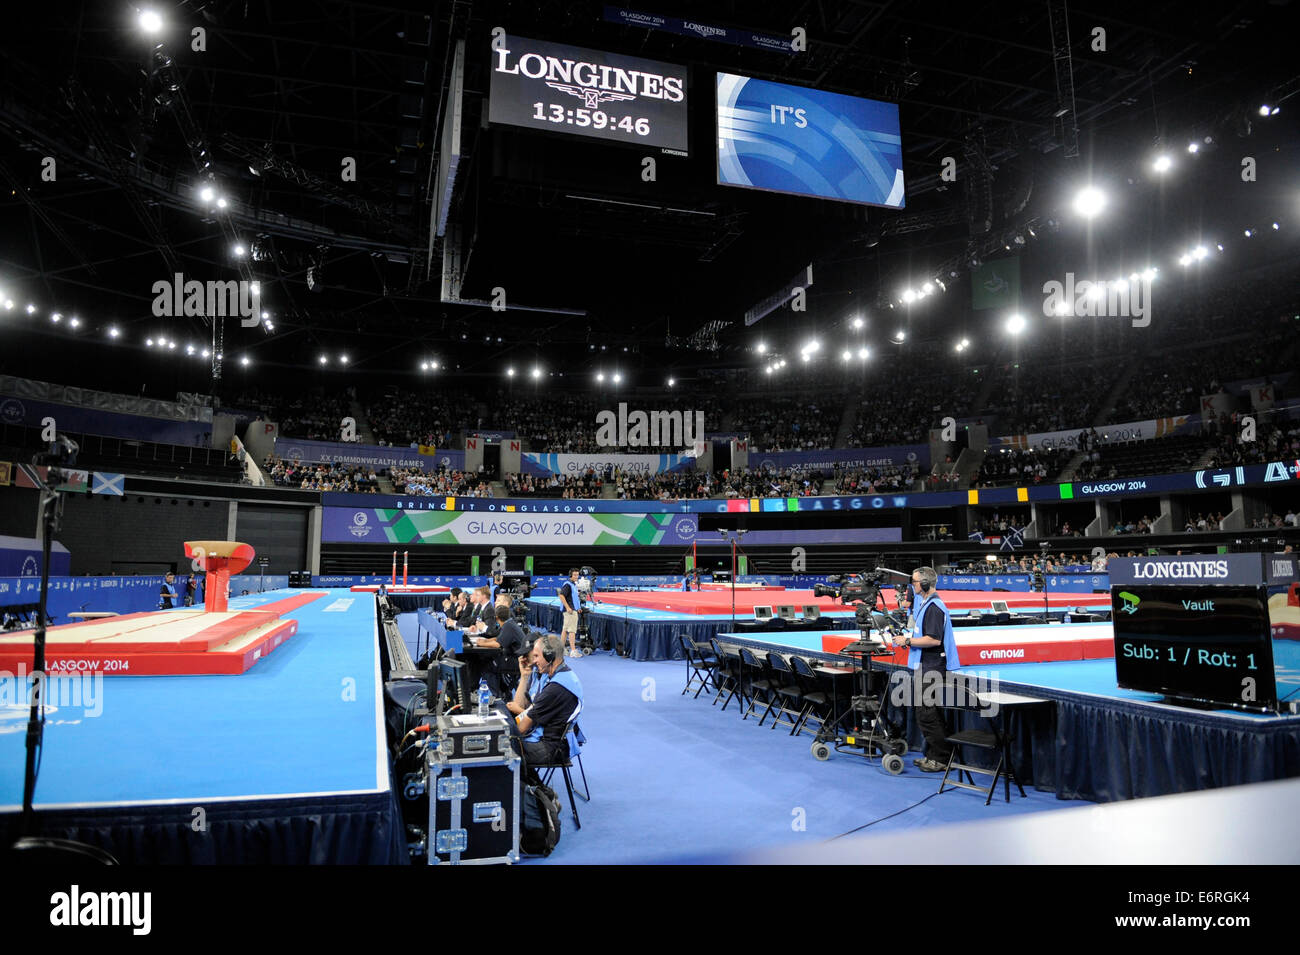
(105, 483)
(996, 284)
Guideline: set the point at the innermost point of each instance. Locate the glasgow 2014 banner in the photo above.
(391, 526)
(1106, 434)
(369, 455)
(534, 462)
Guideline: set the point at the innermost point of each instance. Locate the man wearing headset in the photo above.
(932, 650)
(548, 697)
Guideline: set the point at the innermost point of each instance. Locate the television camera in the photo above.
(863, 728)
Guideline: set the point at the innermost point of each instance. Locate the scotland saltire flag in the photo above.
(977, 537)
(106, 483)
(1013, 538)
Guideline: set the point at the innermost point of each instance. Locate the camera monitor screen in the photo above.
(1204, 643)
(1000, 606)
(785, 611)
(811, 611)
(762, 613)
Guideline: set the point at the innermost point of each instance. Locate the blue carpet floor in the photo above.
(675, 778)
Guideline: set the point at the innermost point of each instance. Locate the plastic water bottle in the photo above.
(484, 698)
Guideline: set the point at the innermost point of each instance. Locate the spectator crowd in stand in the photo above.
(417, 482)
(345, 478)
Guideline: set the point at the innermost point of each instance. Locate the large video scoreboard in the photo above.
(570, 89)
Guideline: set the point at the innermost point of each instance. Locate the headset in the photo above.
(548, 651)
(926, 585)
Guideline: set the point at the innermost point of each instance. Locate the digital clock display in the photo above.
(570, 89)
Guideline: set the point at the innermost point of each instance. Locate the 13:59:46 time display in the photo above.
(596, 119)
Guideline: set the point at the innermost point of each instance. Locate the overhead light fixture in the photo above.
(617, 378)
(113, 332)
(245, 361)
(343, 359)
(150, 21)
(761, 348)
(1193, 147)
(1162, 163)
(56, 318)
(600, 376)
(76, 322)
(510, 372)
(671, 382)
(1016, 323)
(1089, 201)
(857, 323)
(324, 359)
(239, 251)
(537, 373)
(207, 194)
(864, 353)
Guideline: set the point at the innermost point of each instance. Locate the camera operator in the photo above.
(932, 652)
(495, 590)
(570, 603)
(548, 697)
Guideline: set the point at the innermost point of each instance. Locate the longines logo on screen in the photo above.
(1180, 569)
(595, 82)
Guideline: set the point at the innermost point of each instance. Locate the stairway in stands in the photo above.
(848, 419)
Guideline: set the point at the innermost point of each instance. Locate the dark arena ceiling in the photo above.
(594, 261)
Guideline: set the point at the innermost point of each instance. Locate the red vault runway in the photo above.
(161, 643)
(719, 602)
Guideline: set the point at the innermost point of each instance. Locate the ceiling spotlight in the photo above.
(1249, 233)
(761, 348)
(857, 323)
(76, 322)
(1016, 324)
(537, 373)
(1200, 252)
(1219, 246)
(1265, 110)
(245, 361)
(424, 366)
(769, 369)
(9, 304)
(1089, 201)
(908, 296)
(239, 250)
(510, 372)
(433, 365)
(343, 359)
(1193, 147)
(56, 318)
(617, 378)
(812, 346)
(150, 21)
(266, 315)
(965, 343)
(189, 349)
(113, 332)
(1162, 163)
(207, 194)
(958, 347)
(1149, 274)
(928, 287)
(1062, 308)
(31, 309)
(806, 357)
(256, 289)
(222, 203)
(149, 342)
(171, 344)
(1120, 284)
(1276, 226)
(671, 382)
(864, 353)
(600, 376)
(324, 359)
(899, 336)
(846, 355)
(205, 353)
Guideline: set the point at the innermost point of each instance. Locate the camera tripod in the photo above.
(862, 728)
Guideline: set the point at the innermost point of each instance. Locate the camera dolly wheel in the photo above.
(893, 764)
(821, 751)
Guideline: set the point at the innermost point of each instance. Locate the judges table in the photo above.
(452, 643)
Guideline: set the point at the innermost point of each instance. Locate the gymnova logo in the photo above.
(1122, 298)
(360, 524)
(641, 429)
(12, 411)
(1180, 569)
(176, 298)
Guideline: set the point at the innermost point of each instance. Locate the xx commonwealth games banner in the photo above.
(392, 526)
